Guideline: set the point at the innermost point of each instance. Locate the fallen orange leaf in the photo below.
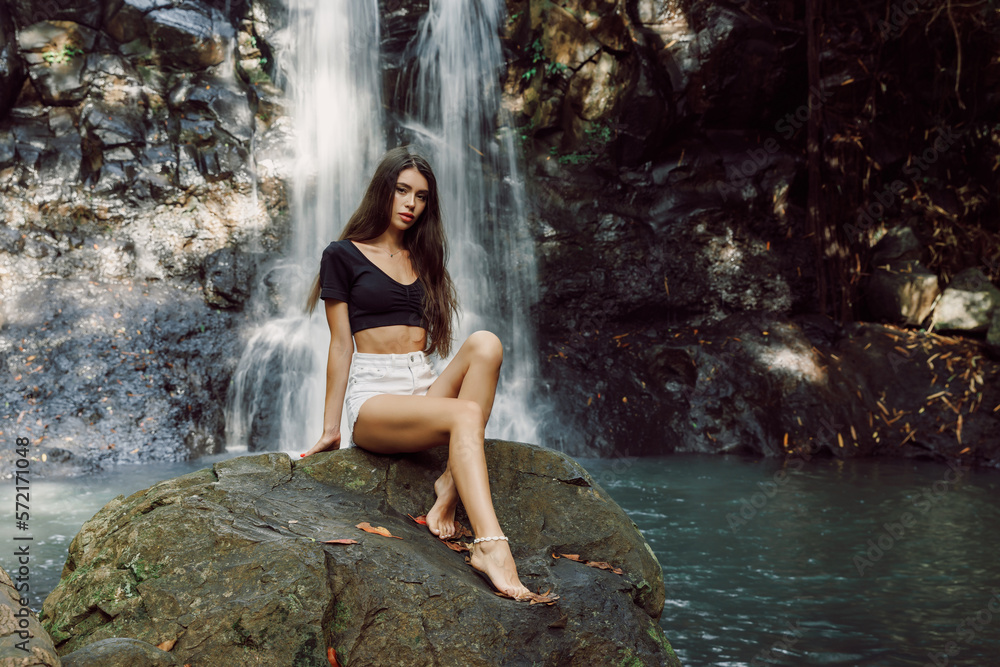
(167, 645)
(422, 519)
(601, 565)
(342, 540)
(378, 530)
(331, 655)
(533, 598)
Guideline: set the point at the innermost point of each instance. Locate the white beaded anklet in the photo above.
(487, 539)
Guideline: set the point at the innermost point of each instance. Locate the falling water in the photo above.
(331, 70)
(451, 114)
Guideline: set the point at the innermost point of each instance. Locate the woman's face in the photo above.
(410, 198)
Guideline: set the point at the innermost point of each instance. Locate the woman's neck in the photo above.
(390, 239)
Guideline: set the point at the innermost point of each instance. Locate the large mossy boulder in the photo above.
(230, 563)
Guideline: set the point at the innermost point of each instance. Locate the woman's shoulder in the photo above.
(338, 249)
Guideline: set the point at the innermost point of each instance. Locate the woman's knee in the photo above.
(467, 415)
(486, 346)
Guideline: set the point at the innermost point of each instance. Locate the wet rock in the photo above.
(7, 149)
(111, 126)
(215, 127)
(191, 36)
(120, 372)
(993, 335)
(55, 52)
(84, 12)
(898, 244)
(270, 18)
(767, 385)
(230, 562)
(968, 303)
(228, 275)
(399, 20)
(33, 648)
(11, 69)
(119, 652)
(901, 292)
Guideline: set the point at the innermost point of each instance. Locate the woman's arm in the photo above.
(337, 368)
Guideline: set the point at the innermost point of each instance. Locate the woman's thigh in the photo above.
(393, 424)
(449, 383)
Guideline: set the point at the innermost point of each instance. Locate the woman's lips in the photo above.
(407, 217)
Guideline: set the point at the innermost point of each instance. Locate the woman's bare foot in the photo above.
(493, 558)
(441, 517)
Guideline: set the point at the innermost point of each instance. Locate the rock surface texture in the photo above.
(23, 640)
(668, 167)
(143, 171)
(231, 563)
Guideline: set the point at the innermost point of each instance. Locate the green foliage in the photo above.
(537, 54)
(572, 158)
(64, 55)
(556, 68)
(599, 132)
(259, 75)
(539, 62)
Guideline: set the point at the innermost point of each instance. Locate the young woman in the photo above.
(385, 283)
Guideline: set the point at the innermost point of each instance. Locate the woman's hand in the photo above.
(329, 440)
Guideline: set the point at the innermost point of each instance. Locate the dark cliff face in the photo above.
(669, 166)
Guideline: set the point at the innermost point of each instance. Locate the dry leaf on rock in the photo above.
(167, 645)
(342, 540)
(546, 598)
(456, 546)
(600, 565)
(331, 655)
(422, 519)
(461, 531)
(378, 530)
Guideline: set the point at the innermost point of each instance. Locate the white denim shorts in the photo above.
(409, 374)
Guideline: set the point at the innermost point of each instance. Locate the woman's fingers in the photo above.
(325, 443)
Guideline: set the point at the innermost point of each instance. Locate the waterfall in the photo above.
(453, 114)
(331, 66)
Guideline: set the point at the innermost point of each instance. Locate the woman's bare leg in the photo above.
(389, 424)
(472, 375)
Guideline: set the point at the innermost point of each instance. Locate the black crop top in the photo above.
(373, 298)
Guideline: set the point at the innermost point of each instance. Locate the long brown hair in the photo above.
(425, 241)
